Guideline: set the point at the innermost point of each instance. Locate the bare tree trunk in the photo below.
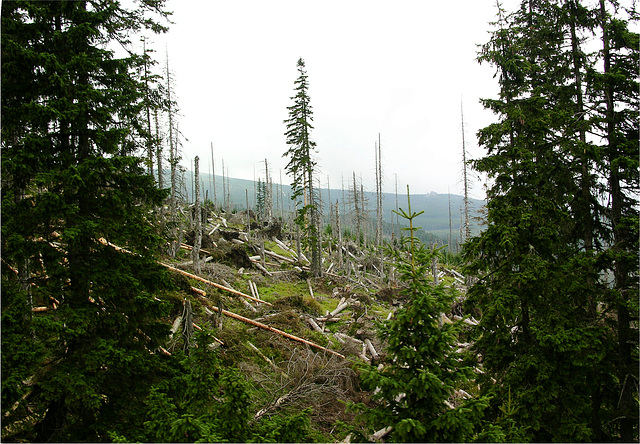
(197, 242)
(158, 144)
(450, 226)
(356, 198)
(467, 227)
(246, 196)
(173, 160)
(213, 172)
(379, 193)
(339, 231)
(147, 109)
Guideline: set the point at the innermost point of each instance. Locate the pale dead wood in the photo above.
(214, 229)
(310, 289)
(329, 318)
(213, 284)
(271, 329)
(453, 273)
(284, 246)
(341, 306)
(204, 295)
(263, 263)
(377, 436)
(262, 268)
(315, 325)
(253, 290)
(280, 257)
(269, 361)
(372, 350)
(344, 337)
(175, 326)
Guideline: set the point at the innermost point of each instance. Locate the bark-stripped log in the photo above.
(271, 329)
(213, 284)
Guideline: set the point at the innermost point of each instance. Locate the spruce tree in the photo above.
(545, 334)
(73, 186)
(302, 167)
(614, 92)
(414, 390)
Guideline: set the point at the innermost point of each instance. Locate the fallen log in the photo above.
(343, 338)
(213, 284)
(341, 306)
(260, 267)
(269, 361)
(372, 350)
(315, 325)
(329, 318)
(283, 245)
(271, 329)
(39, 309)
(381, 434)
(278, 256)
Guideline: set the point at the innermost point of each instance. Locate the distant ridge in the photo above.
(435, 218)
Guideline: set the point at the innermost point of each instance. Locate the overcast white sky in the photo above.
(397, 68)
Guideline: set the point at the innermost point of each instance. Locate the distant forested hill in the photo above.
(434, 220)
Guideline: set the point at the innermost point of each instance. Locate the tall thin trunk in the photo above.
(357, 208)
(380, 195)
(467, 227)
(150, 152)
(339, 230)
(224, 188)
(158, 145)
(281, 198)
(197, 242)
(173, 161)
(378, 209)
(450, 225)
(213, 173)
(397, 216)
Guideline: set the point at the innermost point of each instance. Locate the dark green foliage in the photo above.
(206, 401)
(546, 333)
(71, 184)
(295, 427)
(203, 401)
(301, 166)
(414, 391)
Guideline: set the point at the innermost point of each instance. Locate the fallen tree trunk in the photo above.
(213, 284)
(271, 329)
(372, 350)
(315, 325)
(280, 257)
